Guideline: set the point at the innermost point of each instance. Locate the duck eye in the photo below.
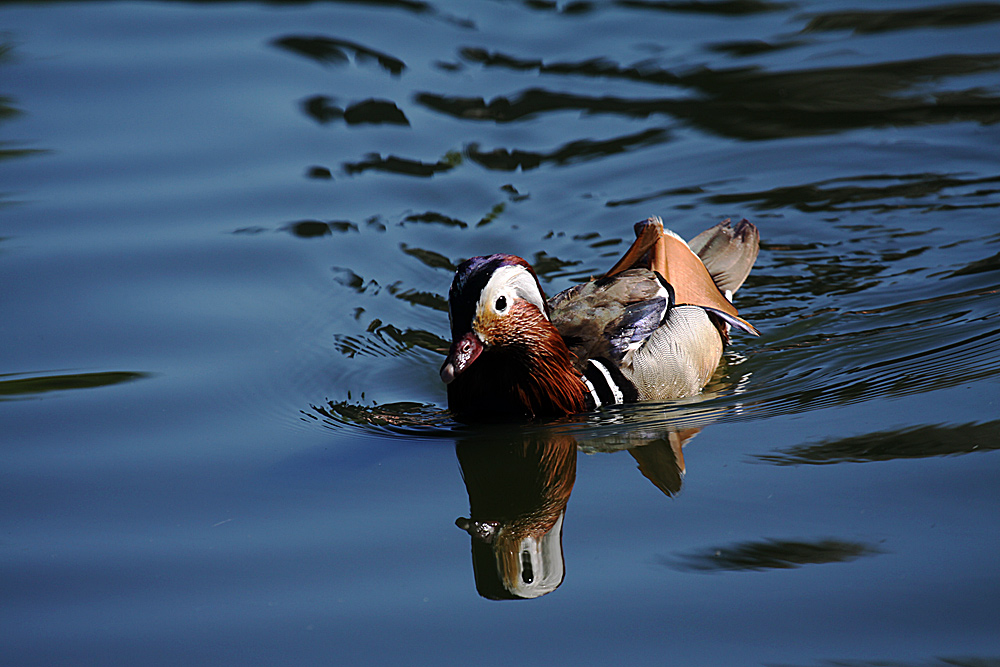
(501, 304)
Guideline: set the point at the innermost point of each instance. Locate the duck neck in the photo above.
(529, 377)
(551, 385)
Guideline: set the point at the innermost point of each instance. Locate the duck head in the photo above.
(506, 358)
(488, 298)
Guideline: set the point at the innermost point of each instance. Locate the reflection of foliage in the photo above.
(749, 102)
(573, 8)
(721, 7)
(978, 266)
(548, 267)
(398, 165)
(8, 153)
(848, 192)
(773, 554)
(717, 7)
(370, 111)
(50, 383)
(881, 193)
(498, 159)
(885, 20)
(667, 192)
(9, 111)
(333, 51)
(923, 442)
(350, 279)
(581, 150)
(428, 257)
(420, 298)
(494, 213)
(307, 229)
(937, 662)
(752, 47)
(435, 217)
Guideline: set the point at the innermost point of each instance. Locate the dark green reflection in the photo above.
(8, 111)
(886, 20)
(48, 383)
(719, 7)
(581, 150)
(963, 661)
(368, 112)
(333, 51)
(434, 260)
(435, 217)
(773, 555)
(752, 103)
(915, 443)
(978, 266)
(415, 6)
(308, 229)
(854, 193)
(398, 165)
(753, 47)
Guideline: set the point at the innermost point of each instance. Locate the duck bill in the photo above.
(463, 352)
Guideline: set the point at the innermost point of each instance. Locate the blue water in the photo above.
(226, 235)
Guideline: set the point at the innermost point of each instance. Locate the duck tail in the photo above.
(728, 252)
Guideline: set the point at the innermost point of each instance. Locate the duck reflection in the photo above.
(660, 455)
(518, 491)
(519, 486)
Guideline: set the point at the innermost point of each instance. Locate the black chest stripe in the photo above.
(610, 385)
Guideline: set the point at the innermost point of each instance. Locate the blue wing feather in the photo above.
(636, 324)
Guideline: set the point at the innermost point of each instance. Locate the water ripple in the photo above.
(900, 350)
(406, 420)
(863, 317)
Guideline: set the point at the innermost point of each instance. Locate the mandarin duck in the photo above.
(652, 328)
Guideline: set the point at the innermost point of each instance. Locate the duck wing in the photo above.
(608, 317)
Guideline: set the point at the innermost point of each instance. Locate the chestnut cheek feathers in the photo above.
(463, 352)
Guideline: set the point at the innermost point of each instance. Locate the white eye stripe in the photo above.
(510, 282)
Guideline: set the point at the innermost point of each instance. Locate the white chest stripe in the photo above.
(619, 397)
(593, 392)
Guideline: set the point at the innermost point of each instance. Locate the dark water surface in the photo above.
(226, 235)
